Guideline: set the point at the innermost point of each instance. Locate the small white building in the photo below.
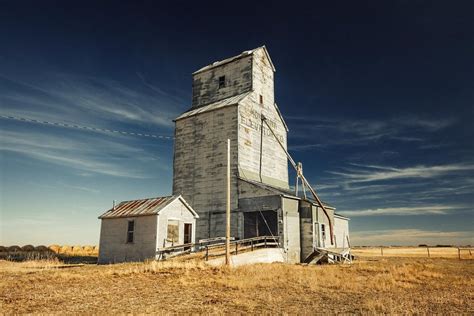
(135, 230)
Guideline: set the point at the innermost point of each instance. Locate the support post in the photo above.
(381, 251)
(227, 231)
(428, 249)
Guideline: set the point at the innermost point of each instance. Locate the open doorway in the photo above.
(264, 223)
(188, 234)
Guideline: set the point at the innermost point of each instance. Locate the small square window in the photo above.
(221, 82)
(261, 99)
(130, 231)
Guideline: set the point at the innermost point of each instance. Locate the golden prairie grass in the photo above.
(383, 285)
(433, 252)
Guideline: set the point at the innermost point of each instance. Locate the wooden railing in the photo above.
(216, 247)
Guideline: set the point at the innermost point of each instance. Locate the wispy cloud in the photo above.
(324, 132)
(89, 154)
(407, 210)
(411, 237)
(380, 173)
(89, 100)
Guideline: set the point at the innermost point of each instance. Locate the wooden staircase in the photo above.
(325, 255)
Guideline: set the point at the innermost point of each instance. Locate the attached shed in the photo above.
(135, 230)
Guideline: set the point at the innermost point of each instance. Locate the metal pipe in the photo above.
(264, 119)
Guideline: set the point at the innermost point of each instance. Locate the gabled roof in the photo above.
(230, 59)
(143, 207)
(214, 106)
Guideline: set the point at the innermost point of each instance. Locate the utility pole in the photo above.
(227, 231)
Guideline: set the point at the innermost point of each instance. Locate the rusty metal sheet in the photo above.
(142, 207)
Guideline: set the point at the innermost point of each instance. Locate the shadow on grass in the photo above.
(22, 256)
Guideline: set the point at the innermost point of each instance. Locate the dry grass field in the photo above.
(369, 285)
(420, 252)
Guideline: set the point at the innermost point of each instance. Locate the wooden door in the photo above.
(188, 233)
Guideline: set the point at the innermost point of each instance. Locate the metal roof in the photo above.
(143, 207)
(214, 106)
(284, 192)
(230, 59)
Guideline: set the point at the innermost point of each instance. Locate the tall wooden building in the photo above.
(230, 97)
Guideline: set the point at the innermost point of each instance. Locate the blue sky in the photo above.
(378, 98)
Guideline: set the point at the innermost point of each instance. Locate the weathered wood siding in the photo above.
(321, 218)
(291, 228)
(113, 245)
(341, 232)
(272, 168)
(199, 168)
(238, 79)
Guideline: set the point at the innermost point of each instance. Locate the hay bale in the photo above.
(3, 249)
(42, 248)
(88, 249)
(14, 248)
(55, 248)
(77, 249)
(66, 249)
(28, 248)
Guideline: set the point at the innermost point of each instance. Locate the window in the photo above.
(221, 82)
(261, 99)
(323, 231)
(130, 231)
(173, 231)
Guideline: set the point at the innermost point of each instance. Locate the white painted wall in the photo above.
(113, 246)
(291, 235)
(341, 231)
(174, 211)
(321, 218)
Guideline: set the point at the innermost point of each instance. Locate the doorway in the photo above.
(188, 234)
(264, 223)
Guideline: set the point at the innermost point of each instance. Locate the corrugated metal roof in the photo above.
(228, 60)
(214, 106)
(281, 191)
(142, 207)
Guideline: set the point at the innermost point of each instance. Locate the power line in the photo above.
(82, 127)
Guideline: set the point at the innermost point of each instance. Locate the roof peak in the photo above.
(230, 59)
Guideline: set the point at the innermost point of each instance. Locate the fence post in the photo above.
(236, 248)
(381, 251)
(428, 248)
(265, 241)
(251, 245)
(459, 253)
(207, 253)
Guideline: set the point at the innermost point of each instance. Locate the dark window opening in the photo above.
(221, 82)
(261, 99)
(263, 223)
(323, 231)
(130, 231)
